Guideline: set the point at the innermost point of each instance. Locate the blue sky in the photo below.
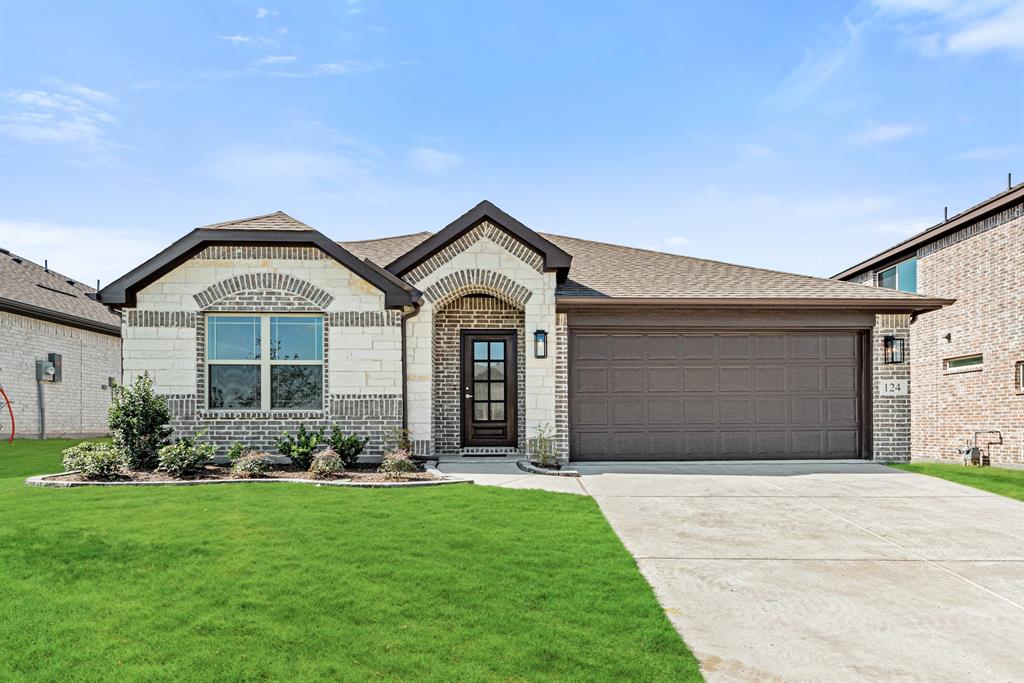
(796, 136)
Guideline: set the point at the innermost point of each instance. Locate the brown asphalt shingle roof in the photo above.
(278, 220)
(610, 270)
(29, 284)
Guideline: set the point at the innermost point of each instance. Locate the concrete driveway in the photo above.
(818, 571)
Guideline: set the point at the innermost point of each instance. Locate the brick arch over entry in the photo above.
(263, 281)
(476, 281)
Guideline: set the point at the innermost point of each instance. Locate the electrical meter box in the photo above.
(49, 370)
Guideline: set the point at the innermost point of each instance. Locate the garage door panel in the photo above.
(699, 346)
(770, 378)
(627, 380)
(698, 379)
(653, 395)
(664, 379)
(592, 411)
(735, 347)
(628, 347)
(736, 411)
(591, 380)
(626, 413)
(700, 411)
(664, 411)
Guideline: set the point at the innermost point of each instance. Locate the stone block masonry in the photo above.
(76, 406)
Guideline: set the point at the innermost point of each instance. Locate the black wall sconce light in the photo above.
(540, 344)
(894, 350)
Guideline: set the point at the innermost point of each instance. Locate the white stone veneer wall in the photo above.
(484, 254)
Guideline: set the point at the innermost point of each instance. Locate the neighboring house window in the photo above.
(1018, 374)
(964, 363)
(902, 276)
(246, 374)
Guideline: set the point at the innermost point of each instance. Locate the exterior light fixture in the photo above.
(894, 350)
(540, 344)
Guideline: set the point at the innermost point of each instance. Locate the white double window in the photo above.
(264, 362)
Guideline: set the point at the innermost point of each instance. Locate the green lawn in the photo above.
(289, 582)
(999, 480)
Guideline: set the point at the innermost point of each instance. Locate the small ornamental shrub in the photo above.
(252, 465)
(138, 420)
(185, 456)
(237, 450)
(97, 461)
(397, 463)
(326, 464)
(398, 439)
(300, 449)
(347, 447)
(542, 447)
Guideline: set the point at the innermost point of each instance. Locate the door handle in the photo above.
(469, 395)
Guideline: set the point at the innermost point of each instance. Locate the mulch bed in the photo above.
(359, 474)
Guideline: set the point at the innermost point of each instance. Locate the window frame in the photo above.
(973, 367)
(264, 362)
(1018, 376)
(895, 268)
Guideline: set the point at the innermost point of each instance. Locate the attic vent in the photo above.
(16, 259)
(70, 282)
(58, 291)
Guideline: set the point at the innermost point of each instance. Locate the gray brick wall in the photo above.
(891, 414)
(478, 313)
(75, 407)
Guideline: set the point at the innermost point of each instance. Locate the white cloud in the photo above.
(46, 117)
(354, 7)
(1004, 31)
(237, 39)
(278, 59)
(84, 253)
(961, 27)
(992, 153)
(753, 150)
(883, 132)
(818, 67)
(263, 13)
(432, 160)
(257, 167)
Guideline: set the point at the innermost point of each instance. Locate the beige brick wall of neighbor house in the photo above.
(76, 406)
(480, 254)
(985, 273)
(164, 336)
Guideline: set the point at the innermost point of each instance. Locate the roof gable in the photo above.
(555, 259)
(277, 228)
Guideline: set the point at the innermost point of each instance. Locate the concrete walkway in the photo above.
(819, 571)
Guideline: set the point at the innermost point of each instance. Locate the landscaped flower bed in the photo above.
(142, 452)
(363, 474)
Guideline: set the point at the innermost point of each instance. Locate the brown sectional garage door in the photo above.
(711, 396)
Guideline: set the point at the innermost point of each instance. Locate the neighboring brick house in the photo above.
(478, 336)
(44, 313)
(967, 359)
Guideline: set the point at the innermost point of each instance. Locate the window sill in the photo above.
(246, 414)
(961, 371)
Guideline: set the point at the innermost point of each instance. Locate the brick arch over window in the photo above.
(281, 282)
(476, 281)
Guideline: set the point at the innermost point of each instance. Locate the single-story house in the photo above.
(60, 352)
(481, 335)
(967, 360)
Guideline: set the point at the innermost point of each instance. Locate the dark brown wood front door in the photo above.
(489, 388)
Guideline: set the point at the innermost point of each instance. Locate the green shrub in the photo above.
(326, 464)
(236, 451)
(138, 420)
(398, 439)
(252, 464)
(347, 447)
(96, 461)
(396, 463)
(300, 449)
(185, 456)
(542, 447)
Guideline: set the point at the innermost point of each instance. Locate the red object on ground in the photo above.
(10, 409)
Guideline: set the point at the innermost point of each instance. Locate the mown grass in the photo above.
(1005, 482)
(290, 582)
